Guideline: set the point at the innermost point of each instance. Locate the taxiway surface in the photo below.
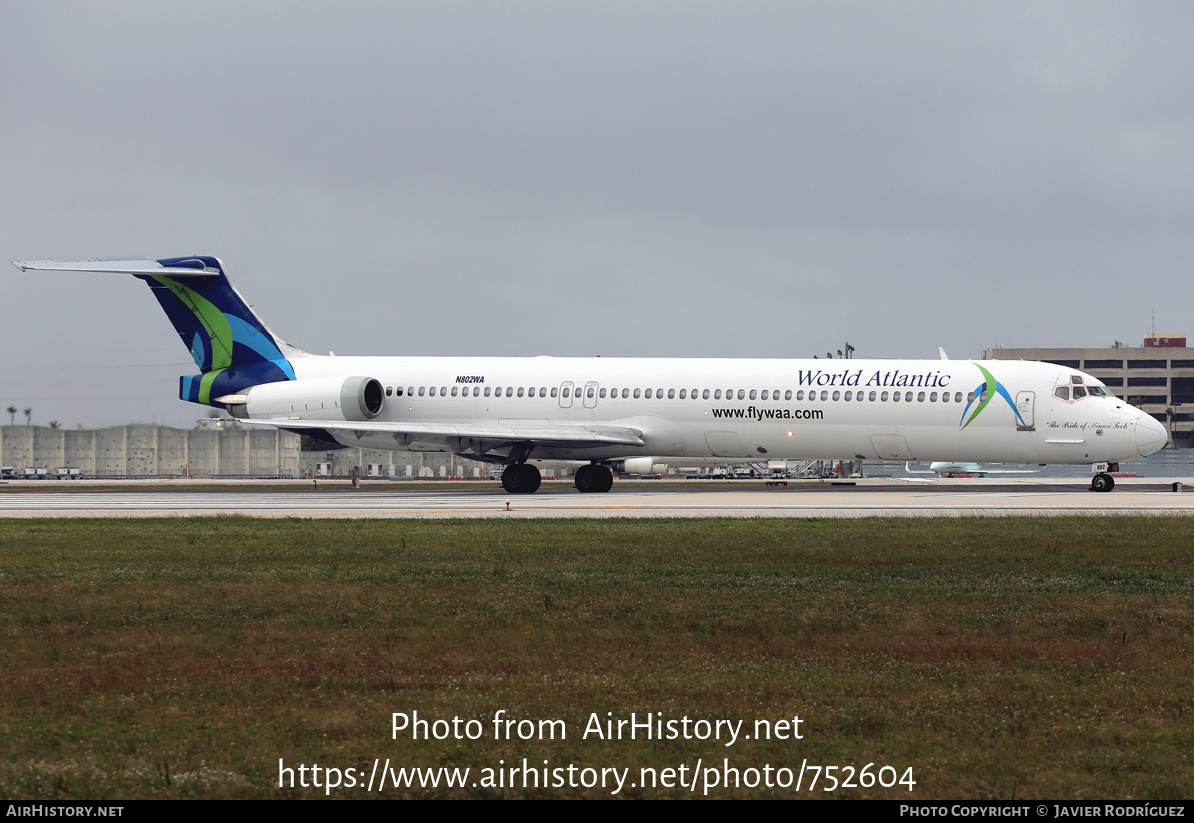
(867, 499)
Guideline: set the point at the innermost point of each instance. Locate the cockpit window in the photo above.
(1079, 392)
(1062, 393)
(1097, 391)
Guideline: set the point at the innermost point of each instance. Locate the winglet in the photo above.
(944, 356)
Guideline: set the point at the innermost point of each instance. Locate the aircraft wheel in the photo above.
(588, 479)
(605, 479)
(533, 478)
(519, 478)
(1102, 483)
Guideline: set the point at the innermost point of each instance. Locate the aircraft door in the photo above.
(566, 389)
(1024, 401)
(590, 395)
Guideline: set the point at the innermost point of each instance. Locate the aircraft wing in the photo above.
(576, 437)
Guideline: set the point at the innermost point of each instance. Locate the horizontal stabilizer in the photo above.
(130, 266)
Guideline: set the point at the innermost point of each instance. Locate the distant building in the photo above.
(1158, 377)
(1164, 341)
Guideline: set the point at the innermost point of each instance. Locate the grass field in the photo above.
(1000, 658)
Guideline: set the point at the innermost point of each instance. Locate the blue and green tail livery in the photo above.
(231, 346)
(228, 342)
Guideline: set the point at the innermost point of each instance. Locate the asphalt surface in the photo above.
(394, 500)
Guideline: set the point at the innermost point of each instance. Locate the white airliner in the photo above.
(635, 412)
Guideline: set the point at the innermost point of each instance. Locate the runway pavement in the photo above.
(866, 499)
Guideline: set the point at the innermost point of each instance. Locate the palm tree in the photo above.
(29, 416)
(12, 415)
(54, 424)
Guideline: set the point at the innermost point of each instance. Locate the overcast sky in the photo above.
(645, 179)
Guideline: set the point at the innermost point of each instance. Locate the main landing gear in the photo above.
(593, 478)
(1102, 483)
(521, 478)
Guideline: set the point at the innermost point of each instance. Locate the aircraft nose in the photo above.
(1150, 435)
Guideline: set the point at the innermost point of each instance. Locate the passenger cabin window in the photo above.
(717, 394)
(837, 395)
(647, 394)
(800, 394)
(625, 393)
(970, 397)
(554, 391)
(671, 394)
(589, 392)
(421, 390)
(741, 394)
(920, 398)
(848, 396)
(883, 397)
(895, 396)
(753, 394)
(638, 393)
(705, 394)
(872, 396)
(566, 392)
(521, 391)
(389, 390)
(487, 391)
(683, 393)
(788, 394)
(601, 393)
(763, 396)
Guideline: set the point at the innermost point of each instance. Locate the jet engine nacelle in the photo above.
(643, 465)
(353, 398)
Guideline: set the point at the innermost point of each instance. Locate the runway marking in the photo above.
(339, 503)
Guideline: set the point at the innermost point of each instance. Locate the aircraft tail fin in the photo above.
(229, 343)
